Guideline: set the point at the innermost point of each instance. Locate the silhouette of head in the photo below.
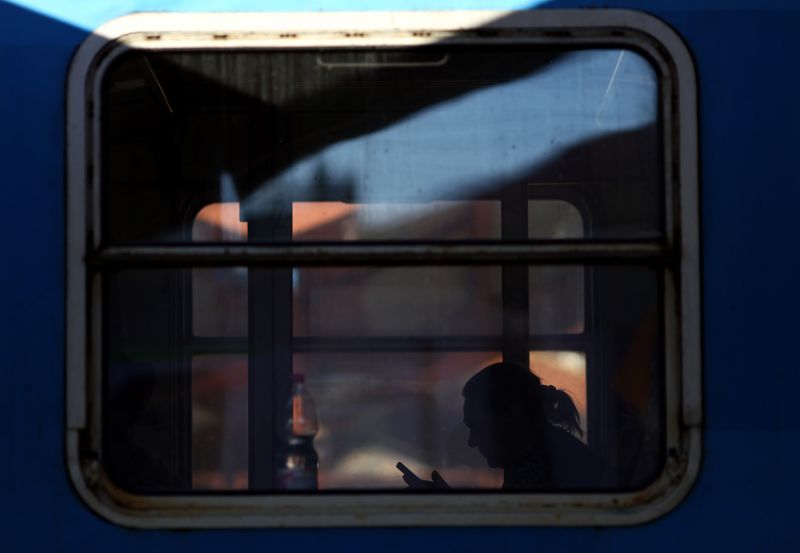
(507, 409)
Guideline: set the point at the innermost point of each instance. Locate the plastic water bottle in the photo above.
(298, 463)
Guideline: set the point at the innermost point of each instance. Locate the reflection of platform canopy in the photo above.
(284, 130)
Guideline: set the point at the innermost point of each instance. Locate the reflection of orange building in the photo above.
(394, 392)
(219, 222)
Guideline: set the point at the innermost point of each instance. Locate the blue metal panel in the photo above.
(745, 53)
(34, 53)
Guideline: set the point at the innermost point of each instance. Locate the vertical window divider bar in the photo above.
(261, 414)
(515, 278)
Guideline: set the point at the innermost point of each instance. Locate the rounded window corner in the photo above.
(673, 487)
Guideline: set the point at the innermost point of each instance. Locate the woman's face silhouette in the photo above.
(502, 436)
(483, 433)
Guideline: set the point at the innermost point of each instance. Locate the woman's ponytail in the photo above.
(507, 390)
(560, 409)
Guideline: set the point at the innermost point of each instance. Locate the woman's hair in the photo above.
(504, 386)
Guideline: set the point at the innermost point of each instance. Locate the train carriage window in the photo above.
(472, 249)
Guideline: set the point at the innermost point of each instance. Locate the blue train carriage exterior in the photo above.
(696, 257)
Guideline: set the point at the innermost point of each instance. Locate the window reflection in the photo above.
(557, 299)
(556, 294)
(397, 301)
(472, 145)
(386, 373)
(486, 144)
(219, 301)
(378, 408)
(554, 219)
(453, 220)
(468, 130)
(219, 422)
(566, 370)
(219, 222)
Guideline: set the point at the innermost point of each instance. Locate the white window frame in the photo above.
(682, 316)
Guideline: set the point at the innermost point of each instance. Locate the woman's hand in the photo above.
(415, 482)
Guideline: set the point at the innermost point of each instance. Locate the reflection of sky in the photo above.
(463, 147)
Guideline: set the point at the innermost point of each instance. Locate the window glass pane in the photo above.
(460, 301)
(397, 301)
(557, 294)
(219, 301)
(219, 422)
(557, 299)
(219, 222)
(179, 413)
(219, 295)
(431, 221)
(554, 219)
(378, 408)
(269, 129)
(146, 384)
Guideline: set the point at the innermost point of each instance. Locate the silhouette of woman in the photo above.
(526, 429)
